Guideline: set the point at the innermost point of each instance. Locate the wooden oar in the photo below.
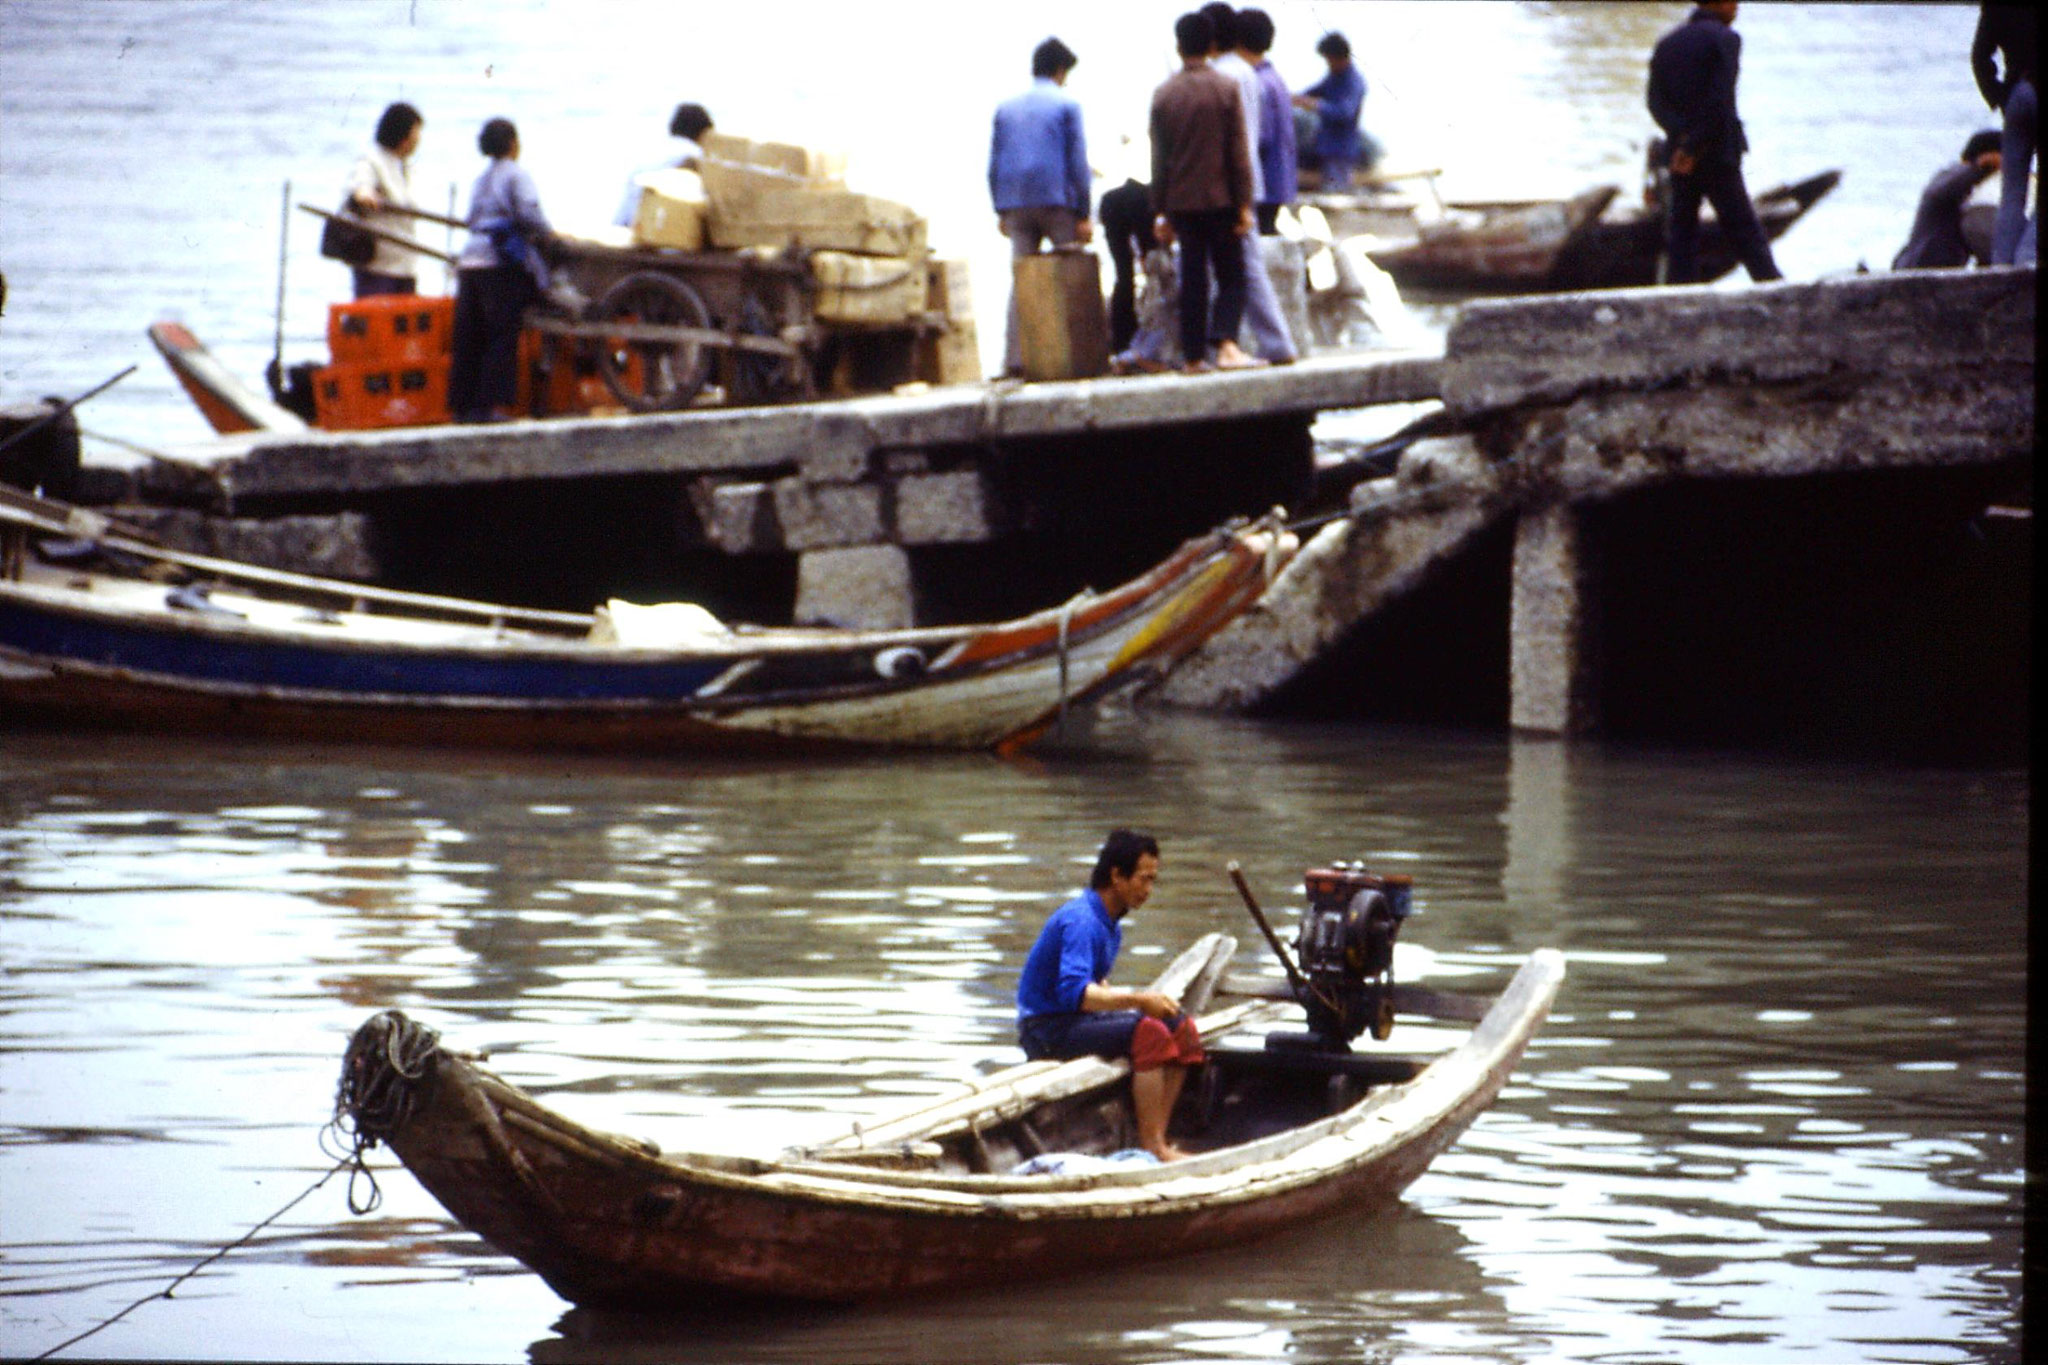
(406, 242)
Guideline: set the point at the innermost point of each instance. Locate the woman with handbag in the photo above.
(498, 274)
(381, 181)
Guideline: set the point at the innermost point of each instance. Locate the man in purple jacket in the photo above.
(1279, 162)
(1038, 171)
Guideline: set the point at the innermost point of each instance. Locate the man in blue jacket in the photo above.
(1692, 96)
(1038, 171)
(1067, 1008)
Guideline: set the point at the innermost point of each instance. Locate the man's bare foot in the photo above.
(1166, 1151)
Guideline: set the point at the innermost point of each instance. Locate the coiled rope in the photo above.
(386, 1059)
(380, 1074)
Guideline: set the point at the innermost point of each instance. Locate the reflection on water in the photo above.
(1777, 1111)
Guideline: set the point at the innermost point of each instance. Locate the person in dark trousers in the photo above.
(1202, 195)
(499, 273)
(1067, 1008)
(1937, 240)
(1126, 216)
(2009, 31)
(1692, 97)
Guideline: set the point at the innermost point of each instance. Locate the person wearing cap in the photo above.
(1937, 240)
(1038, 172)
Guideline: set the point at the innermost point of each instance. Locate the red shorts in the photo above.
(1154, 1044)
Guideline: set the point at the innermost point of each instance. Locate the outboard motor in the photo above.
(1346, 950)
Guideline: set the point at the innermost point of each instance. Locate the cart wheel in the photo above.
(657, 375)
(757, 377)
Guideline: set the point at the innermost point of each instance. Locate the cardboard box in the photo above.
(673, 207)
(817, 219)
(951, 295)
(390, 329)
(826, 169)
(867, 288)
(355, 397)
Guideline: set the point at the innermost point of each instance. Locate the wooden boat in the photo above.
(1529, 246)
(1505, 248)
(929, 1200)
(108, 629)
(1622, 250)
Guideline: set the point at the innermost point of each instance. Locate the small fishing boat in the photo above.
(1622, 250)
(1017, 1177)
(105, 628)
(1540, 246)
(1492, 248)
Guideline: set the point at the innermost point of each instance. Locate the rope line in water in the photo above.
(386, 1058)
(167, 1290)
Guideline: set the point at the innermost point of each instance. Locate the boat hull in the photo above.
(608, 1223)
(275, 655)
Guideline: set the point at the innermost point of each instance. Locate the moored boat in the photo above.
(107, 629)
(1507, 248)
(944, 1196)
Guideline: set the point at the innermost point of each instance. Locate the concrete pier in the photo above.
(1877, 392)
(976, 500)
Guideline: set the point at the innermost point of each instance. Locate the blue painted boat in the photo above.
(104, 628)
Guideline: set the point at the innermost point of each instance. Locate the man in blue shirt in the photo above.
(1067, 1008)
(1038, 171)
(1336, 100)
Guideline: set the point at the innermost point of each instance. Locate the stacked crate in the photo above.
(388, 363)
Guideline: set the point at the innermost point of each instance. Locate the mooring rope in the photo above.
(167, 1290)
(386, 1058)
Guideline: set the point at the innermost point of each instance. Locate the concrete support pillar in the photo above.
(862, 586)
(1551, 683)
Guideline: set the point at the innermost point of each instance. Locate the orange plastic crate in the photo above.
(390, 329)
(356, 397)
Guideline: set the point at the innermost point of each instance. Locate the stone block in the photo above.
(954, 508)
(864, 587)
(815, 516)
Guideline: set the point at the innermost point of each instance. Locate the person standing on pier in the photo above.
(499, 273)
(2011, 31)
(1067, 1008)
(1038, 172)
(1202, 195)
(1262, 315)
(1277, 155)
(1693, 72)
(379, 190)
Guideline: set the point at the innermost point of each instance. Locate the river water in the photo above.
(1778, 1115)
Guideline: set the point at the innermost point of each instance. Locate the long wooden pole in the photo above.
(394, 238)
(284, 233)
(1294, 977)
